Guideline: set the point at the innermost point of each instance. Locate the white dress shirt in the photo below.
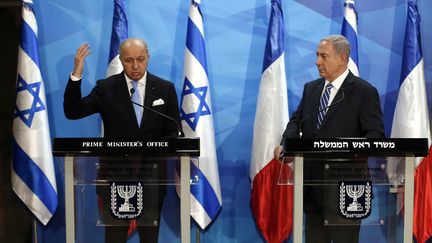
(337, 83)
(141, 84)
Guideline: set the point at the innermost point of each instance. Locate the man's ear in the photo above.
(344, 58)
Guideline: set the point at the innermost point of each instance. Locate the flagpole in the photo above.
(185, 199)
(409, 199)
(198, 235)
(35, 234)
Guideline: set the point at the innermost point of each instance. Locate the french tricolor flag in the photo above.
(271, 203)
(411, 120)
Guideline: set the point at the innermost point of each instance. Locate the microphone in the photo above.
(315, 113)
(179, 131)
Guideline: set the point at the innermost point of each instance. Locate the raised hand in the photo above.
(82, 52)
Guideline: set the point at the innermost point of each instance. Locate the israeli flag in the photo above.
(197, 120)
(33, 177)
(349, 30)
(118, 35)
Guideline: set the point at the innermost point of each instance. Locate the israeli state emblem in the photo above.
(126, 199)
(355, 199)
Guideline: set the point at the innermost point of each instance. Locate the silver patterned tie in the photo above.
(323, 104)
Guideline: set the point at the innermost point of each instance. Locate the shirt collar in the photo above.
(337, 83)
(141, 81)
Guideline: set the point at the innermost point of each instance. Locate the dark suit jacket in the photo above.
(358, 114)
(111, 98)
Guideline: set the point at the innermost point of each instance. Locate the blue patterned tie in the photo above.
(323, 104)
(137, 99)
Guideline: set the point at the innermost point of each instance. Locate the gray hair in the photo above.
(340, 44)
(136, 41)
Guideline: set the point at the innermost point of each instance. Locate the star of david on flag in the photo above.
(191, 94)
(28, 93)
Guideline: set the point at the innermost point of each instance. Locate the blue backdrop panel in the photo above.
(235, 39)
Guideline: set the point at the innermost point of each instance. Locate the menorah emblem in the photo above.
(126, 192)
(361, 194)
(132, 193)
(355, 191)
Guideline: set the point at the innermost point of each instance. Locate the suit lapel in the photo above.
(316, 96)
(123, 92)
(149, 95)
(345, 89)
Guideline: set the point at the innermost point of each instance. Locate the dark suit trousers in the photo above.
(321, 201)
(317, 232)
(119, 233)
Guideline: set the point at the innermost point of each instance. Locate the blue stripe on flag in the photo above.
(412, 52)
(195, 43)
(351, 35)
(204, 193)
(34, 178)
(277, 25)
(119, 28)
(29, 42)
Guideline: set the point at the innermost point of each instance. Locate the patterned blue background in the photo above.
(235, 40)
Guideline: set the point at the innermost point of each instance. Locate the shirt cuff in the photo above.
(74, 78)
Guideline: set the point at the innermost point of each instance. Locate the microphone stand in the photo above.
(179, 131)
(310, 115)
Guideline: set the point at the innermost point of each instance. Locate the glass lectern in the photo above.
(113, 182)
(354, 181)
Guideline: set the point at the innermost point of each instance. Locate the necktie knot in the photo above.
(135, 84)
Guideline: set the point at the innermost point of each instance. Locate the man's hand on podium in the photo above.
(278, 155)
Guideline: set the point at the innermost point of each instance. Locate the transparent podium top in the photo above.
(351, 147)
(163, 147)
